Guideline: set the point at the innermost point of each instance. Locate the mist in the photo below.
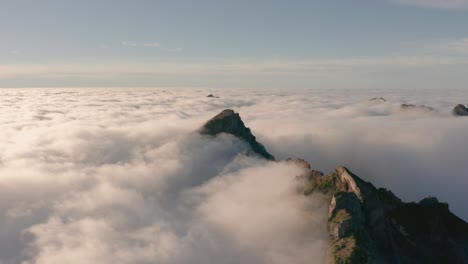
(121, 175)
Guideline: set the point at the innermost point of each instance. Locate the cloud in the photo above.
(457, 46)
(100, 175)
(137, 44)
(175, 49)
(130, 184)
(443, 4)
(242, 68)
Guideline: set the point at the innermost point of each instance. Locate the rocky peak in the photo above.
(367, 224)
(378, 100)
(460, 110)
(230, 122)
(409, 107)
(370, 225)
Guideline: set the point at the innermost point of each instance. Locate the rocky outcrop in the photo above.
(366, 224)
(378, 100)
(370, 225)
(212, 96)
(409, 107)
(230, 122)
(460, 110)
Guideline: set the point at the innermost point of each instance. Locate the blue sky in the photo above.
(207, 43)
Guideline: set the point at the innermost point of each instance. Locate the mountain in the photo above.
(368, 224)
(378, 100)
(229, 122)
(460, 110)
(412, 107)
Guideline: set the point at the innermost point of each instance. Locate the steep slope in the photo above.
(366, 224)
(230, 122)
(370, 225)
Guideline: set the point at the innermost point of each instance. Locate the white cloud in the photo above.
(460, 46)
(129, 184)
(175, 49)
(137, 44)
(117, 175)
(253, 67)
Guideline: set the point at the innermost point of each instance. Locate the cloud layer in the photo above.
(102, 175)
(118, 175)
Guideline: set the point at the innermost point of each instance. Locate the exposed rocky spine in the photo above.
(370, 225)
(230, 122)
(378, 99)
(366, 224)
(417, 107)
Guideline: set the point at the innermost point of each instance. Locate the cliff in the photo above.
(368, 224)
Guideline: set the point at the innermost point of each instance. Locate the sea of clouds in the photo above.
(121, 176)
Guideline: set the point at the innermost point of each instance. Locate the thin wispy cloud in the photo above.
(448, 47)
(175, 49)
(254, 67)
(460, 46)
(443, 4)
(137, 44)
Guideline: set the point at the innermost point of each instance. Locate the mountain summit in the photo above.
(368, 224)
(229, 122)
(460, 110)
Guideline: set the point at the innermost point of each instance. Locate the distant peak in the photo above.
(378, 99)
(225, 113)
(460, 110)
(230, 122)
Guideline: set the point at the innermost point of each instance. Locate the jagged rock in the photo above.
(378, 100)
(306, 165)
(345, 215)
(370, 225)
(460, 110)
(366, 224)
(428, 201)
(408, 107)
(230, 122)
(301, 163)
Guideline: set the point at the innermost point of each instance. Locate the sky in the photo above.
(410, 44)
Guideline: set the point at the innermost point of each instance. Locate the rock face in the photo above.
(378, 100)
(230, 122)
(408, 107)
(460, 110)
(366, 224)
(370, 225)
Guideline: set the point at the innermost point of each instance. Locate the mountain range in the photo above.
(367, 224)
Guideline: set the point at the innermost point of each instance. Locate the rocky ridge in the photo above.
(229, 122)
(368, 224)
(408, 107)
